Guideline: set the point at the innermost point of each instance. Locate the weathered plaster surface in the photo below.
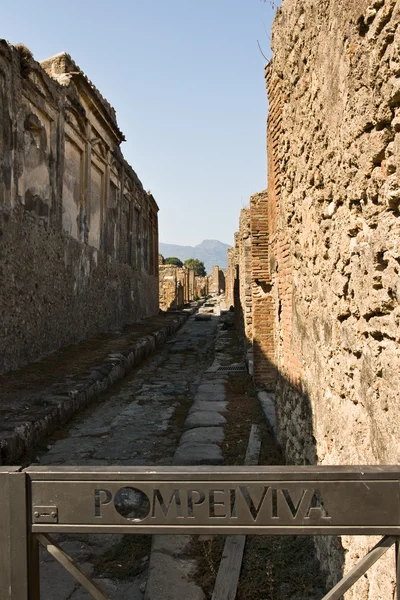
(78, 233)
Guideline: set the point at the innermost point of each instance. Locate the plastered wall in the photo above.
(78, 233)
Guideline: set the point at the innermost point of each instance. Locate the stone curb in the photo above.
(267, 402)
(66, 404)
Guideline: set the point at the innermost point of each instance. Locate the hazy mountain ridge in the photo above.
(211, 252)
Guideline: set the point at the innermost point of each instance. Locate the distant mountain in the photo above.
(211, 252)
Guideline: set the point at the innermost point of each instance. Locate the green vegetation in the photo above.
(197, 266)
(173, 260)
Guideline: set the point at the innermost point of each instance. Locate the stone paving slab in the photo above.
(212, 388)
(198, 454)
(166, 582)
(203, 435)
(34, 401)
(220, 406)
(204, 418)
(210, 397)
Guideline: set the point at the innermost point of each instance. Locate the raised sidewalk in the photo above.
(37, 399)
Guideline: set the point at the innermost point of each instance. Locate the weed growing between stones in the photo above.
(274, 567)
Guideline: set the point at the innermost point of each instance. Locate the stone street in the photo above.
(138, 423)
(191, 403)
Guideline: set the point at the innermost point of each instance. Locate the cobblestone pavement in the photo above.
(139, 422)
(38, 399)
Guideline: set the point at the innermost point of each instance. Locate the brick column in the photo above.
(262, 298)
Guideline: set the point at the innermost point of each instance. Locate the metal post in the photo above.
(398, 568)
(33, 568)
(360, 568)
(14, 535)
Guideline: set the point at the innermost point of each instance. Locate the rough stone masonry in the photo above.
(78, 233)
(326, 247)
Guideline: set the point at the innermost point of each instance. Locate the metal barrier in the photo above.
(39, 501)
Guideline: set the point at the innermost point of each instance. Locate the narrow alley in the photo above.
(176, 408)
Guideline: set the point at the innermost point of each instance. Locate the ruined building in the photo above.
(325, 248)
(216, 280)
(179, 286)
(78, 233)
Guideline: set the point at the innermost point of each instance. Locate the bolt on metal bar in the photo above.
(70, 565)
(360, 568)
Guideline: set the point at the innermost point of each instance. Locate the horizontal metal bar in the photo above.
(214, 530)
(362, 507)
(198, 473)
(360, 568)
(73, 569)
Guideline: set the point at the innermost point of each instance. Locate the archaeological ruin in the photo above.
(79, 234)
(179, 286)
(314, 274)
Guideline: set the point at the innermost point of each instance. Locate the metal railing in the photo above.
(39, 501)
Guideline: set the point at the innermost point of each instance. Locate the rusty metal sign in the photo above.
(223, 500)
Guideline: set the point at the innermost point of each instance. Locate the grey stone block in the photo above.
(220, 406)
(203, 435)
(212, 388)
(170, 579)
(209, 397)
(198, 454)
(204, 418)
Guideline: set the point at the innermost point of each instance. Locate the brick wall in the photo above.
(263, 305)
(333, 229)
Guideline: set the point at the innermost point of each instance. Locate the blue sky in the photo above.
(186, 78)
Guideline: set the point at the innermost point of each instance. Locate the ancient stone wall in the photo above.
(263, 307)
(78, 233)
(333, 233)
(200, 287)
(238, 278)
(230, 276)
(216, 281)
(179, 285)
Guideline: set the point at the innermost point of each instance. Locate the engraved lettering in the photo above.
(175, 500)
(254, 510)
(101, 498)
(274, 503)
(214, 505)
(317, 508)
(190, 503)
(294, 509)
(232, 494)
